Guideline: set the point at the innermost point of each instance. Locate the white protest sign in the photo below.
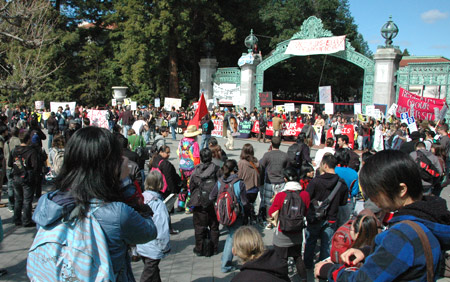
(39, 105)
(329, 108)
(289, 107)
(55, 105)
(114, 102)
(392, 110)
(370, 111)
(377, 114)
(411, 121)
(133, 105)
(325, 94)
(157, 102)
(171, 102)
(317, 135)
(357, 108)
(306, 109)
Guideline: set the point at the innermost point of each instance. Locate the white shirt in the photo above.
(138, 126)
(319, 155)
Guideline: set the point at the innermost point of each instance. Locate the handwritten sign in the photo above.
(306, 109)
(421, 108)
(265, 99)
(324, 45)
(218, 128)
(98, 118)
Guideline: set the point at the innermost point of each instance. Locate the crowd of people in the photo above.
(120, 181)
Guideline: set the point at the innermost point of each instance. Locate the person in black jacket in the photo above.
(24, 162)
(259, 264)
(319, 189)
(204, 214)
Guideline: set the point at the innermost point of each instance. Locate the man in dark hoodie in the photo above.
(319, 189)
(24, 163)
(203, 180)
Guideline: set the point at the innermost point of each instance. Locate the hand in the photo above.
(124, 170)
(352, 256)
(318, 266)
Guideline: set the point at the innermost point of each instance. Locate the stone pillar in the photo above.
(248, 82)
(208, 67)
(387, 62)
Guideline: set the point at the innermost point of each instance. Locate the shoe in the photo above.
(135, 258)
(269, 226)
(11, 210)
(2, 205)
(199, 254)
(174, 232)
(31, 224)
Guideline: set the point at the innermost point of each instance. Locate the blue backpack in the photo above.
(70, 251)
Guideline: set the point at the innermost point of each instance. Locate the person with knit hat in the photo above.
(188, 153)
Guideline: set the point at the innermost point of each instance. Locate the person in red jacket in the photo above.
(289, 244)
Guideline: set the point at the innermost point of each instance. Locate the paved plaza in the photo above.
(180, 265)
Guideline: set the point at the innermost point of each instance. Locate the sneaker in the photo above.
(11, 210)
(174, 232)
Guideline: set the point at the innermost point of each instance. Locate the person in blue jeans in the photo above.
(230, 177)
(207, 127)
(173, 121)
(319, 188)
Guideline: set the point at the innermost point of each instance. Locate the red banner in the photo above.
(421, 108)
(289, 128)
(349, 130)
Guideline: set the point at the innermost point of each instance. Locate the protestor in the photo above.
(306, 175)
(212, 143)
(408, 147)
(56, 155)
(135, 140)
(207, 127)
(250, 173)
(353, 162)
(173, 122)
(93, 157)
(262, 126)
(258, 264)
(329, 144)
(9, 146)
(272, 164)
(231, 183)
(391, 179)
(319, 189)
(155, 250)
(292, 205)
(206, 226)
(52, 128)
(430, 169)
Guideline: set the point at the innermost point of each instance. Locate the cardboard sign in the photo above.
(306, 109)
(157, 102)
(325, 94)
(289, 107)
(357, 108)
(279, 109)
(329, 108)
(392, 110)
(218, 128)
(39, 105)
(265, 100)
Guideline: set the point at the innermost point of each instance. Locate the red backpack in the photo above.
(163, 177)
(227, 205)
(341, 242)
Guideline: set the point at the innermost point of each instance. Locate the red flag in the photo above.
(201, 111)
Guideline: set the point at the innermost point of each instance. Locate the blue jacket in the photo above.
(121, 224)
(398, 254)
(349, 174)
(160, 247)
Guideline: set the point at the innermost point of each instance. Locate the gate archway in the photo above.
(312, 28)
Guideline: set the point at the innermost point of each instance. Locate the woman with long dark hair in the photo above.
(249, 172)
(391, 180)
(95, 178)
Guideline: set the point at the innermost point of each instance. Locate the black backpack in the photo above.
(206, 186)
(294, 155)
(428, 172)
(292, 213)
(19, 168)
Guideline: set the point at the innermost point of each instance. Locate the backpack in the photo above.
(292, 213)
(163, 177)
(320, 210)
(206, 185)
(70, 251)
(58, 161)
(173, 121)
(19, 168)
(428, 171)
(142, 152)
(227, 206)
(294, 155)
(341, 242)
(154, 148)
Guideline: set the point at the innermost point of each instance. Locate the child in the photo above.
(153, 251)
(265, 265)
(306, 174)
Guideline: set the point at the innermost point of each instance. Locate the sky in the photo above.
(424, 25)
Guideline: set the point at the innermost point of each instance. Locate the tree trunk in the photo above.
(173, 70)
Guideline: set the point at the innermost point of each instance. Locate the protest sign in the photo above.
(245, 129)
(98, 118)
(411, 121)
(279, 109)
(39, 105)
(289, 128)
(157, 102)
(325, 94)
(370, 110)
(329, 108)
(218, 128)
(306, 109)
(114, 102)
(357, 108)
(317, 134)
(133, 105)
(324, 45)
(418, 107)
(289, 107)
(171, 102)
(265, 100)
(349, 130)
(127, 101)
(392, 110)
(55, 105)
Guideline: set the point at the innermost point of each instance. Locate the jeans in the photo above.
(50, 141)
(151, 270)
(202, 219)
(230, 140)
(110, 125)
(10, 189)
(360, 142)
(227, 255)
(322, 230)
(174, 132)
(152, 130)
(23, 198)
(205, 140)
(366, 142)
(125, 130)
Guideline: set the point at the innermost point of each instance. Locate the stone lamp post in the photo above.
(120, 93)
